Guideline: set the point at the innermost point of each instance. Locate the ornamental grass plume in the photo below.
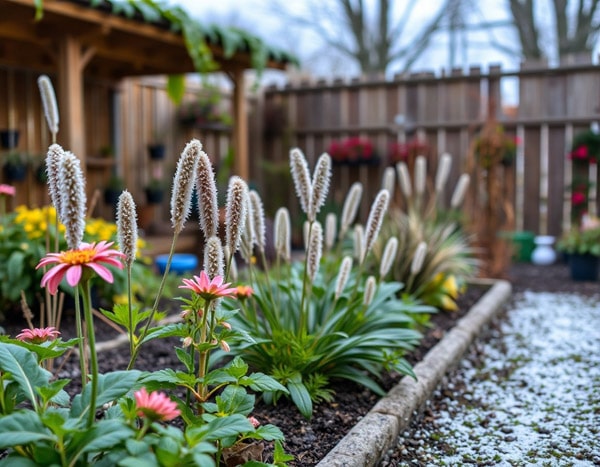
(236, 210)
(370, 288)
(320, 186)
(247, 239)
(54, 159)
(258, 221)
(376, 216)
(214, 257)
(389, 180)
(389, 256)
(330, 230)
(404, 179)
(343, 276)
(127, 229)
(420, 175)
(301, 178)
(315, 250)
(183, 185)
(359, 242)
(206, 189)
(282, 233)
(350, 208)
(49, 104)
(443, 172)
(72, 209)
(460, 191)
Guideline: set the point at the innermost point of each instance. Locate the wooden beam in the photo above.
(71, 62)
(240, 125)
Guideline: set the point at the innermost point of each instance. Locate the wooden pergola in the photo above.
(73, 39)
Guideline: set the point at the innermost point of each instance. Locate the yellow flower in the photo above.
(450, 286)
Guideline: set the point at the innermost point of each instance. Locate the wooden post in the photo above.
(240, 129)
(72, 59)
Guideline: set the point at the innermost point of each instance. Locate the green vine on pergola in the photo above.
(196, 35)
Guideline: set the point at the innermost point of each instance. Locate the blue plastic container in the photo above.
(181, 263)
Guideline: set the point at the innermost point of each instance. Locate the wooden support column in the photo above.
(72, 59)
(240, 126)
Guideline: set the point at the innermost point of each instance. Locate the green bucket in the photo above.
(523, 244)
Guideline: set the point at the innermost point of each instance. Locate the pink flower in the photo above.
(38, 335)
(71, 263)
(155, 406)
(580, 153)
(254, 421)
(577, 198)
(8, 190)
(208, 289)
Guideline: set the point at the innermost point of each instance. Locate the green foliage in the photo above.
(344, 337)
(582, 239)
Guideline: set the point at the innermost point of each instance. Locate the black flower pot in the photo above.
(154, 195)
(9, 138)
(15, 173)
(156, 151)
(583, 267)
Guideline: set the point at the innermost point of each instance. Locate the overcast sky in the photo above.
(257, 17)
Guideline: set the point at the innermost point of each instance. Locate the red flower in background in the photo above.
(580, 153)
(578, 198)
(352, 149)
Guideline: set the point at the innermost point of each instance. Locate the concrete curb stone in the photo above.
(374, 434)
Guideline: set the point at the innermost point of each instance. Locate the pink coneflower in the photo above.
(71, 264)
(155, 406)
(38, 335)
(7, 190)
(209, 289)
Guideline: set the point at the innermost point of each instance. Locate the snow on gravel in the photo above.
(531, 398)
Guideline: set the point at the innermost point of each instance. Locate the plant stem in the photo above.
(89, 319)
(81, 343)
(130, 310)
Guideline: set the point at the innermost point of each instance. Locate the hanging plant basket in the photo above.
(9, 139)
(15, 173)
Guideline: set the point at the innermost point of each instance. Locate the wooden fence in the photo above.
(447, 111)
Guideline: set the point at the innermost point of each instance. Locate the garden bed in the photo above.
(308, 440)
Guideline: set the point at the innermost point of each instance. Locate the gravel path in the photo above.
(529, 395)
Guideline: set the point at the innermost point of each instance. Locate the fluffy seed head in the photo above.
(343, 275)
(370, 287)
(213, 257)
(72, 189)
(248, 237)
(359, 236)
(235, 212)
(320, 186)
(53, 162)
(233, 272)
(258, 220)
(127, 231)
(389, 180)
(315, 250)
(183, 185)
(301, 178)
(330, 230)
(206, 189)
(282, 234)
(388, 257)
(404, 178)
(376, 215)
(418, 258)
(49, 103)
(351, 204)
(460, 191)
(420, 175)
(443, 171)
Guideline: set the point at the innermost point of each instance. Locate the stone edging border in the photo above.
(377, 431)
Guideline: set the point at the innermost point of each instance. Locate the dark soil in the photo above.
(310, 440)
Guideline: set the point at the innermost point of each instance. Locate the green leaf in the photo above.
(224, 427)
(55, 392)
(300, 395)
(268, 433)
(237, 368)
(235, 400)
(262, 382)
(111, 386)
(176, 88)
(15, 266)
(24, 370)
(170, 330)
(11, 461)
(280, 457)
(21, 428)
(105, 435)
